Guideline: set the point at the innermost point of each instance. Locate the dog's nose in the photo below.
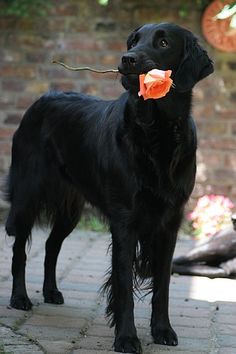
(129, 59)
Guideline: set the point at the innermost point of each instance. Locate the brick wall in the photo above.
(85, 33)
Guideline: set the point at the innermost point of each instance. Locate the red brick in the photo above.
(6, 22)
(6, 102)
(103, 77)
(107, 26)
(75, 26)
(224, 174)
(25, 101)
(211, 158)
(110, 59)
(233, 128)
(63, 86)
(36, 56)
(77, 60)
(84, 59)
(12, 71)
(37, 87)
(66, 9)
(49, 43)
(112, 91)
(57, 24)
(25, 24)
(13, 85)
(230, 160)
(115, 45)
(211, 128)
(6, 132)
(147, 14)
(13, 118)
(5, 148)
(83, 44)
(203, 111)
(225, 143)
(233, 97)
(26, 40)
(210, 187)
(11, 55)
(91, 89)
(233, 192)
(56, 72)
(226, 113)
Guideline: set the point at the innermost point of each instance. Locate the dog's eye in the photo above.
(163, 43)
(133, 44)
(132, 41)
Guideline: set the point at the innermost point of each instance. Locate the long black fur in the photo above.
(132, 159)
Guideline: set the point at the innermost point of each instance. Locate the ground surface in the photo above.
(203, 311)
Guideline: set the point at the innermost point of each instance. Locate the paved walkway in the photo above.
(203, 311)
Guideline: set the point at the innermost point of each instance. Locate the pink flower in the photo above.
(211, 214)
(155, 84)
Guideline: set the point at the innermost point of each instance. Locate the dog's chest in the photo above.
(155, 150)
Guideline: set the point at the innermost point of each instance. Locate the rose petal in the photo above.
(142, 86)
(155, 84)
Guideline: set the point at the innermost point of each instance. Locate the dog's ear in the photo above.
(132, 37)
(194, 66)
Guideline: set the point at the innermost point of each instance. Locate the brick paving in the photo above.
(203, 311)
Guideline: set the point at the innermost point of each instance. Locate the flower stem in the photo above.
(85, 68)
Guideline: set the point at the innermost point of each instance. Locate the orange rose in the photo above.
(155, 84)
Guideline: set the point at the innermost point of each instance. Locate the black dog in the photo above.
(132, 159)
(215, 258)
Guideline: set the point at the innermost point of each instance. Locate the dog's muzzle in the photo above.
(135, 63)
(128, 64)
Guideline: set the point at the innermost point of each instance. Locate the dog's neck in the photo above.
(166, 109)
(159, 136)
(158, 125)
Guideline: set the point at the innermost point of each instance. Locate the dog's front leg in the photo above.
(120, 296)
(163, 249)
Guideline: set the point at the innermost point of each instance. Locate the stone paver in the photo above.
(203, 311)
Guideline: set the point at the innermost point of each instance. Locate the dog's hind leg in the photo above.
(65, 222)
(19, 224)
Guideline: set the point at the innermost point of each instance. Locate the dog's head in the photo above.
(164, 46)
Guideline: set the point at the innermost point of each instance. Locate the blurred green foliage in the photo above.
(185, 7)
(25, 8)
(92, 222)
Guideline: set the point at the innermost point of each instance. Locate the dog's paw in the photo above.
(165, 336)
(53, 297)
(128, 345)
(21, 302)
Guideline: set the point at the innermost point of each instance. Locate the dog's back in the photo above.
(61, 143)
(38, 179)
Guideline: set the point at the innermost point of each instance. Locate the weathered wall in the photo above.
(85, 33)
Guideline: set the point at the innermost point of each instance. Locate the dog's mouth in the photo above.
(130, 78)
(135, 72)
(133, 65)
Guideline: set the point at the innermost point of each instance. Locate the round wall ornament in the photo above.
(218, 25)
